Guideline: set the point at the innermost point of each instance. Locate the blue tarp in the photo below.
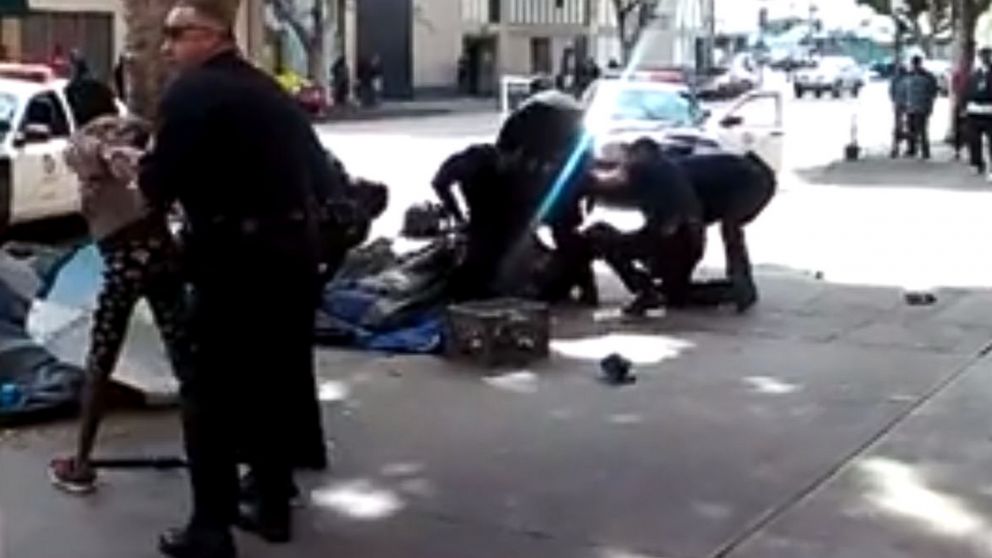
(45, 386)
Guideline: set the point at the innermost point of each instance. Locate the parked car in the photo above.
(739, 77)
(833, 74)
(36, 121)
(621, 111)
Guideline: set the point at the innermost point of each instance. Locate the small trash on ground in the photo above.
(616, 370)
(920, 298)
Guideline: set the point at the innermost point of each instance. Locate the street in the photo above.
(834, 420)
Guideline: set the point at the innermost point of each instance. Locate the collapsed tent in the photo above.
(36, 384)
(381, 301)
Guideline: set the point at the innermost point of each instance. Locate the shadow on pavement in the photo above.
(940, 173)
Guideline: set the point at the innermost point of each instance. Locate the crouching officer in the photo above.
(671, 242)
(732, 190)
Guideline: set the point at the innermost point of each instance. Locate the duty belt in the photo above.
(252, 225)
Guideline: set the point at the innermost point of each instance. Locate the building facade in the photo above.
(37, 30)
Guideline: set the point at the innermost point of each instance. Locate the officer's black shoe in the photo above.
(248, 490)
(589, 297)
(197, 543)
(271, 524)
(745, 298)
(648, 300)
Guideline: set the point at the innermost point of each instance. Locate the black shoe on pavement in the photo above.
(745, 298)
(249, 491)
(649, 300)
(197, 543)
(272, 525)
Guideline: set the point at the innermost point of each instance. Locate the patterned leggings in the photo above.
(140, 261)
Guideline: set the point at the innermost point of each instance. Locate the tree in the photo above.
(632, 16)
(312, 34)
(936, 14)
(145, 67)
(966, 14)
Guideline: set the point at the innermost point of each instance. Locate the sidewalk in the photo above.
(410, 109)
(835, 420)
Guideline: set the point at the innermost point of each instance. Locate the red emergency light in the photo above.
(35, 73)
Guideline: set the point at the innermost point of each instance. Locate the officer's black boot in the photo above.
(269, 515)
(272, 522)
(196, 542)
(645, 301)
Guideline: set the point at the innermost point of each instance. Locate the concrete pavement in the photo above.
(833, 421)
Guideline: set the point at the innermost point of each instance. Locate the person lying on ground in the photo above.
(141, 260)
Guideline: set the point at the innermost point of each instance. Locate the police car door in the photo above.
(755, 124)
(42, 184)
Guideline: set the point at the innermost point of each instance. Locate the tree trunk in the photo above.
(965, 20)
(964, 35)
(317, 64)
(145, 71)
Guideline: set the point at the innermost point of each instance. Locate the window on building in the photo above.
(495, 11)
(540, 55)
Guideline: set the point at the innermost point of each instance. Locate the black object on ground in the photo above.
(920, 298)
(616, 370)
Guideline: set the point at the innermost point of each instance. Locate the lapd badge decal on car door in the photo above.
(48, 165)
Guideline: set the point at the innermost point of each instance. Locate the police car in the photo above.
(620, 111)
(35, 124)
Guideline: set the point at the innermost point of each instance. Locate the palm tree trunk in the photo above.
(146, 68)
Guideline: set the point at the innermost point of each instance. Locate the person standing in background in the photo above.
(921, 92)
(978, 110)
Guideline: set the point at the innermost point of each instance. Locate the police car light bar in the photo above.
(35, 73)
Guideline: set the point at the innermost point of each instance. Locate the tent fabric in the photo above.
(398, 308)
(49, 388)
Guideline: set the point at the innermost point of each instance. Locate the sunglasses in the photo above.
(174, 32)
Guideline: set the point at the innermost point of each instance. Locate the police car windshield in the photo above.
(669, 106)
(8, 107)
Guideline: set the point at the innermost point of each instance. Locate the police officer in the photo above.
(509, 190)
(671, 242)
(732, 190)
(978, 109)
(252, 256)
(679, 197)
(547, 163)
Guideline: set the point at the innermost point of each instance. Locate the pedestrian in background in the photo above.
(978, 108)
(252, 258)
(921, 92)
(897, 94)
(341, 81)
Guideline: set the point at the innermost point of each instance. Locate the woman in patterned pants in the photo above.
(141, 260)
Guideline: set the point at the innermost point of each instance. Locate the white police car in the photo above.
(621, 111)
(35, 124)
